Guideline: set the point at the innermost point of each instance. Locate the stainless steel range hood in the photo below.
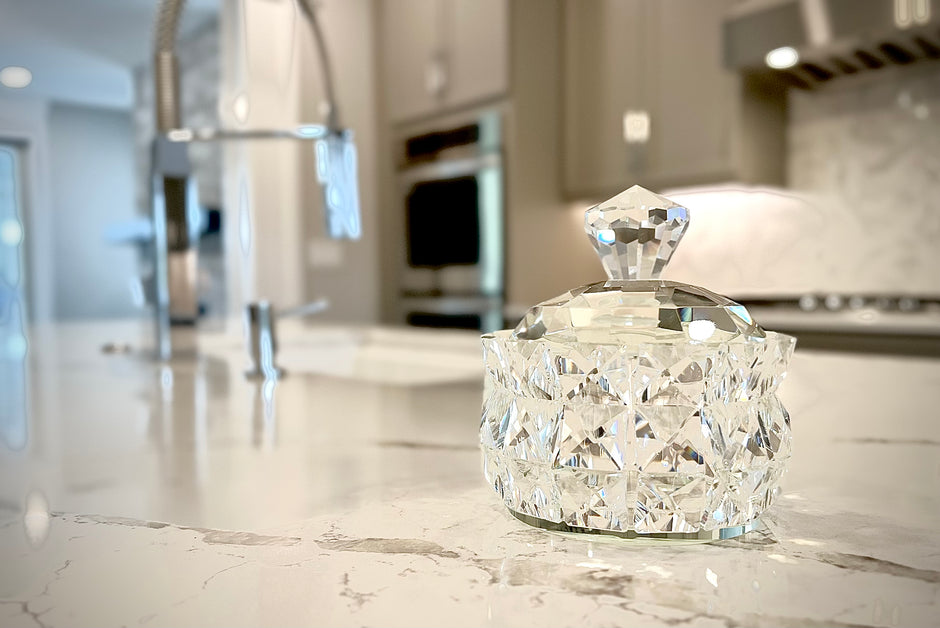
(822, 40)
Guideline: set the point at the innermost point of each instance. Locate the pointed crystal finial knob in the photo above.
(635, 233)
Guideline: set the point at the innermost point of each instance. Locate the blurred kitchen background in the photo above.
(803, 134)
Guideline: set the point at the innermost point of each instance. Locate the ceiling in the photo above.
(84, 51)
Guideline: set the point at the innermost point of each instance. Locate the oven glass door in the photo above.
(443, 223)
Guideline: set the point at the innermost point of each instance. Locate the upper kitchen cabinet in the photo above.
(442, 54)
(411, 44)
(648, 100)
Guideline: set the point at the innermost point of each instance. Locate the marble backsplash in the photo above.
(862, 210)
(870, 153)
(744, 241)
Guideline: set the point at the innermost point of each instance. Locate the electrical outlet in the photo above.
(324, 253)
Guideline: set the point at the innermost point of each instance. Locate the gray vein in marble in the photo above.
(429, 446)
(24, 609)
(205, 583)
(224, 537)
(745, 621)
(384, 546)
(890, 441)
(850, 562)
(210, 536)
(356, 597)
(25, 605)
(516, 573)
(526, 535)
(601, 582)
(856, 562)
(111, 521)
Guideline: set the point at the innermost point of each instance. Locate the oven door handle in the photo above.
(448, 169)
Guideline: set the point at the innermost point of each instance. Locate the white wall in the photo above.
(79, 171)
(92, 168)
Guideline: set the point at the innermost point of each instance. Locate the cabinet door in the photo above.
(694, 99)
(477, 50)
(604, 55)
(412, 53)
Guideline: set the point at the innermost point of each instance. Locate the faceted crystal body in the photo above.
(636, 406)
(635, 233)
(655, 439)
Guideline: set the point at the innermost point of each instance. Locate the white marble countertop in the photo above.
(351, 494)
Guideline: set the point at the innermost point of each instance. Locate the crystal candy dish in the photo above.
(636, 407)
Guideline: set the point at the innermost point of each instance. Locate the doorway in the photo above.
(13, 345)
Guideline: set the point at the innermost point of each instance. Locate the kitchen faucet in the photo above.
(174, 200)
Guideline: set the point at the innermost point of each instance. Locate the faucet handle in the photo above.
(306, 309)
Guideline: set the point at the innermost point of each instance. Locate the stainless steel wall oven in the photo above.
(451, 183)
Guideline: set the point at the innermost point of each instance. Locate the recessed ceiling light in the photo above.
(15, 77)
(782, 58)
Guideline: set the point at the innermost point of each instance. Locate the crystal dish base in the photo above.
(654, 438)
(703, 535)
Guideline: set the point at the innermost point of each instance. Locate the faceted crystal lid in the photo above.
(621, 312)
(635, 233)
